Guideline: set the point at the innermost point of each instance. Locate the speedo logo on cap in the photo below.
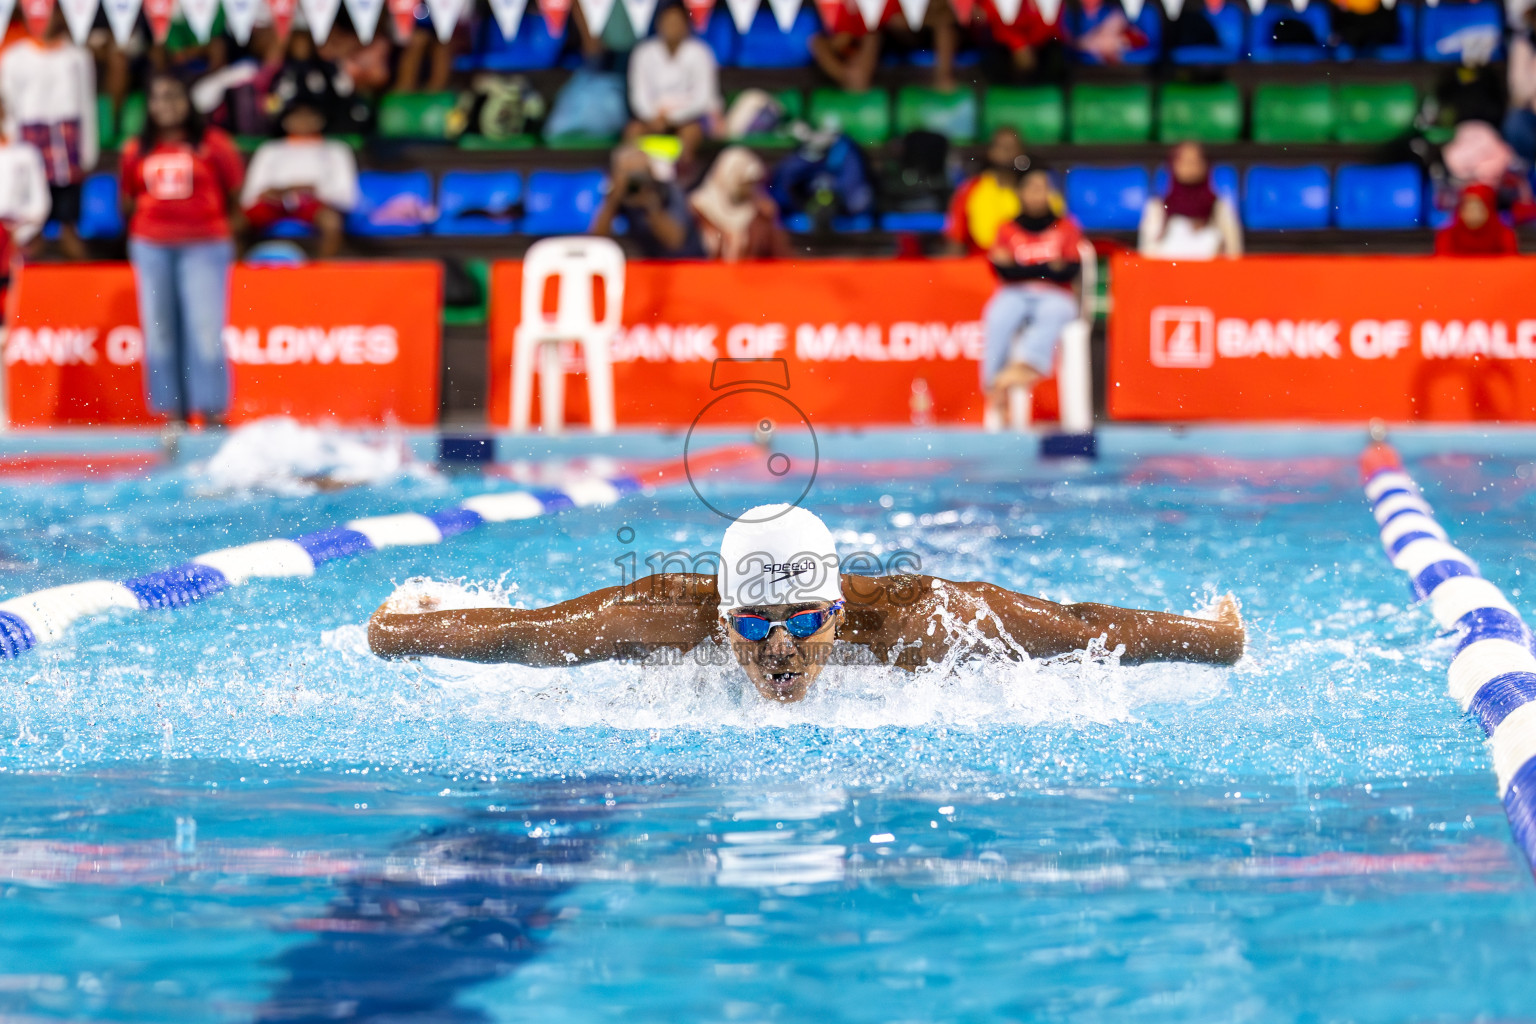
(787, 569)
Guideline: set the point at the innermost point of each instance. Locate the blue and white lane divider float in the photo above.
(1493, 675)
(45, 615)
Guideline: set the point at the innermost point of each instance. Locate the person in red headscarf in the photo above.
(1476, 229)
(1190, 221)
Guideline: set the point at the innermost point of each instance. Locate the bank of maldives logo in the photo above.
(1183, 337)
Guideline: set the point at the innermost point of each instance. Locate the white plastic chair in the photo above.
(578, 261)
(1074, 364)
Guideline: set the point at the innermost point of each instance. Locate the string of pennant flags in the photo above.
(320, 15)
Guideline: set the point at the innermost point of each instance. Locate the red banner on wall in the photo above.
(344, 343)
(866, 341)
(1343, 338)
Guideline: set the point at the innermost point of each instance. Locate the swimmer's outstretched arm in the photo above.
(887, 611)
(667, 610)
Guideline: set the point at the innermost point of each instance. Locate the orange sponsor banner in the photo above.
(866, 341)
(1339, 338)
(345, 343)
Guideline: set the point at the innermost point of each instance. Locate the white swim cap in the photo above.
(777, 554)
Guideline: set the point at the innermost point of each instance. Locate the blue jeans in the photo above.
(183, 300)
(1520, 132)
(1022, 324)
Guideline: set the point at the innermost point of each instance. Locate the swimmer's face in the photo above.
(783, 667)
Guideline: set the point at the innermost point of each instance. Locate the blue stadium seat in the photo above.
(290, 227)
(1405, 49)
(720, 35)
(533, 48)
(1149, 21)
(923, 223)
(1262, 27)
(1449, 31)
(1230, 22)
(1286, 198)
(391, 203)
(1107, 198)
(800, 223)
(562, 202)
(477, 203)
(1379, 198)
(100, 212)
(764, 46)
(1223, 183)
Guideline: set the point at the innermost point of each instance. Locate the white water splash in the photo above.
(282, 455)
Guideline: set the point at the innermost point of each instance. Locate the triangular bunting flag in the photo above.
(282, 16)
(37, 14)
(964, 9)
(830, 11)
(1008, 10)
(1300, 5)
(1132, 8)
(239, 17)
(784, 13)
(122, 15)
(78, 15)
(320, 14)
(871, 11)
(640, 14)
(7, 8)
(699, 11)
(509, 16)
(914, 11)
(200, 15)
(1389, 4)
(597, 13)
(158, 14)
(403, 14)
(555, 13)
(1255, 6)
(365, 18)
(1174, 8)
(742, 13)
(445, 17)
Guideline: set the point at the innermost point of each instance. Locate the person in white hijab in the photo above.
(781, 603)
(738, 218)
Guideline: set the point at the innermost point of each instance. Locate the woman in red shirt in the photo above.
(180, 180)
(1476, 229)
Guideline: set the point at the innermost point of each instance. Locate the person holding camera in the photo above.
(655, 214)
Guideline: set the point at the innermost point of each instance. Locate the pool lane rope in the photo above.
(1493, 674)
(44, 616)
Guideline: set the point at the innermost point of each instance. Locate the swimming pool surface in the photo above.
(234, 812)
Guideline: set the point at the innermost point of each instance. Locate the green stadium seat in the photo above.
(1108, 114)
(864, 116)
(471, 316)
(951, 114)
(106, 123)
(419, 115)
(1375, 111)
(130, 119)
(1293, 113)
(581, 141)
(793, 103)
(1200, 113)
(474, 141)
(1037, 113)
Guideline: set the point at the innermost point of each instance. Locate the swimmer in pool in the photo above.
(783, 607)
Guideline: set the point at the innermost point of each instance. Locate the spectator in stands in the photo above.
(1029, 49)
(1036, 260)
(48, 87)
(1362, 24)
(848, 51)
(302, 176)
(674, 85)
(423, 49)
(24, 201)
(306, 76)
(180, 180)
(737, 218)
(658, 218)
(989, 200)
(1190, 221)
(1478, 155)
(366, 65)
(1477, 229)
(1110, 39)
(1520, 122)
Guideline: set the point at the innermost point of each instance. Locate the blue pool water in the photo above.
(234, 812)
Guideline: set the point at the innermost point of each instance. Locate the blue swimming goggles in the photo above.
(800, 625)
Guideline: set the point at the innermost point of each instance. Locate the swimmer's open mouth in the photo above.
(783, 680)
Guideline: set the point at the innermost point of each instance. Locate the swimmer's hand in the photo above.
(1230, 613)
